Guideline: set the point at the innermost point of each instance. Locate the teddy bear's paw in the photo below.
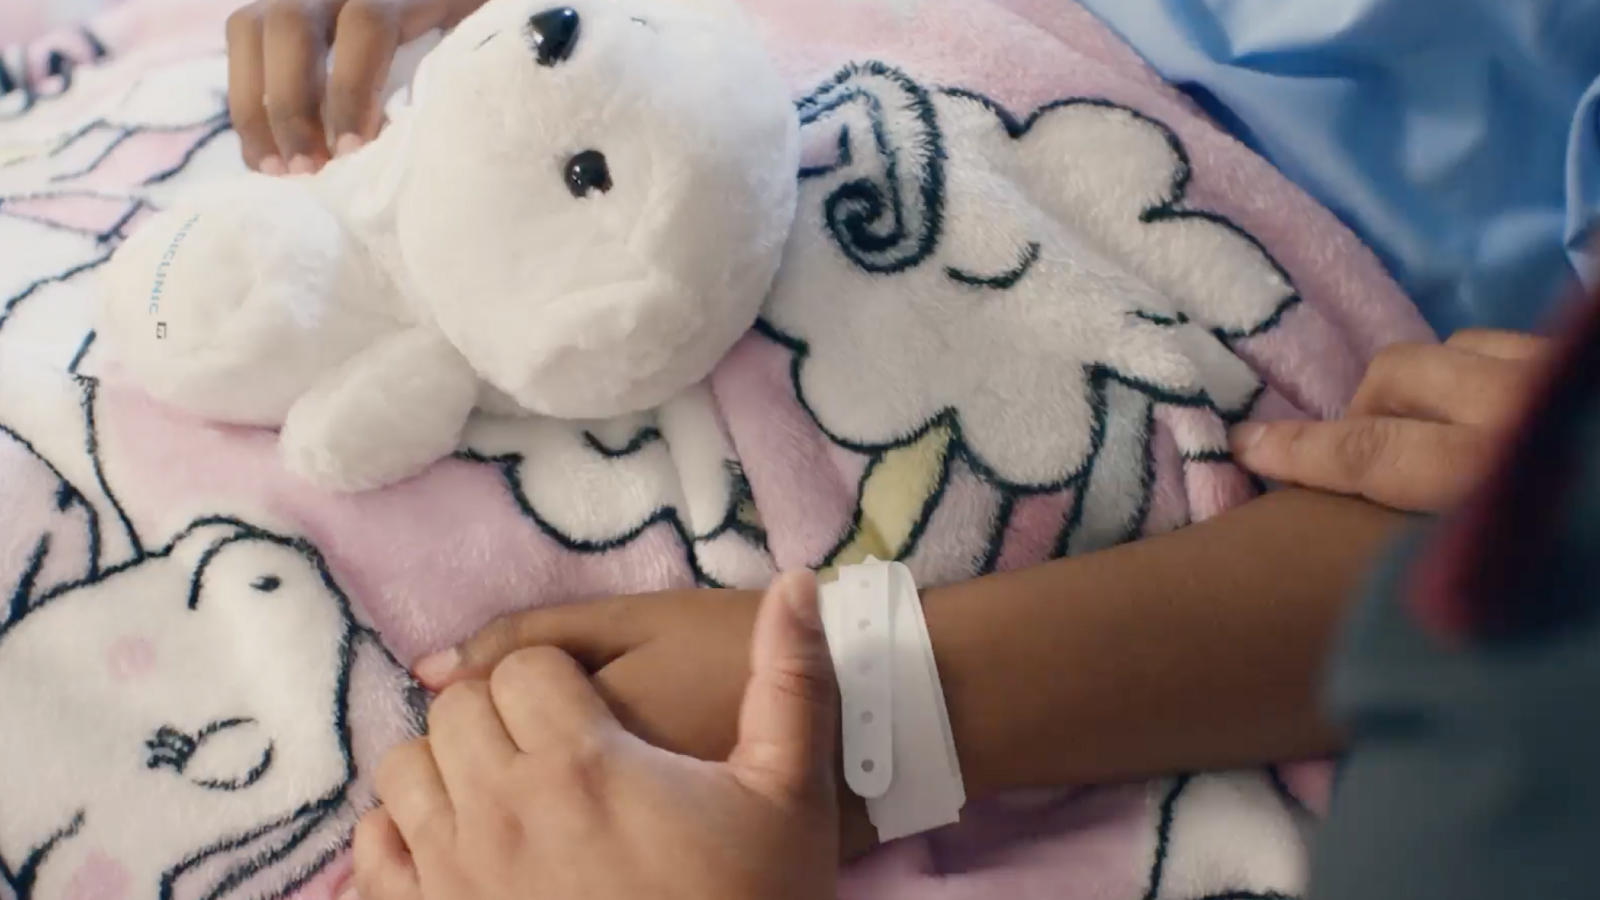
(338, 447)
(339, 466)
(382, 418)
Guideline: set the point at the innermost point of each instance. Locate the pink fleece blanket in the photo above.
(1028, 289)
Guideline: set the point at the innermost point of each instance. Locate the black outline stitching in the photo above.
(67, 496)
(510, 467)
(1280, 785)
(11, 304)
(248, 779)
(91, 389)
(1169, 811)
(642, 438)
(83, 351)
(1004, 281)
(1158, 866)
(119, 138)
(28, 872)
(219, 126)
(853, 208)
(18, 606)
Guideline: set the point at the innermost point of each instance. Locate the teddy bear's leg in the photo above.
(234, 304)
(383, 416)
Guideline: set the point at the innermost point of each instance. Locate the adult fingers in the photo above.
(413, 791)
(384, 869)
(1405, 464)
(594, 633)
(1439, 383)
(547, 703)
(790, 713)
(295, 51)
(247, 90)
(1513, 346)
(367, 35)
(469, 742)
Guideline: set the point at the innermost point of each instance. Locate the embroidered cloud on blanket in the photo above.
(1028, 289)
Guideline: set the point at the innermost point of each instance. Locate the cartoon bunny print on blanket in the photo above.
(175, 722)
(974, 293)
(203, 776)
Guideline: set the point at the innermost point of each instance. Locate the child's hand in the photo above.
(527, 787)
(671, 665)
(1421, 430)
(278, 54)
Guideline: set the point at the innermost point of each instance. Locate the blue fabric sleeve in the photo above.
(1458, 138)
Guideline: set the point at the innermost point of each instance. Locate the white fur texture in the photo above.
(371, 307)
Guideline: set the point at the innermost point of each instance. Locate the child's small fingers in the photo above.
(384, 869)
(365, 41)
(1512, 346)
(594, 633)
(247, 86)
(294, 52)
(413, 791)
(1440, 383)
(1405, 464)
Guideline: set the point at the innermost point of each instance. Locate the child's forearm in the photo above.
(1200, 649)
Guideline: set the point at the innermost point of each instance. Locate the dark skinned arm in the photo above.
(1200, 649)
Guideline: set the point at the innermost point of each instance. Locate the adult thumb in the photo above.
(790, 714)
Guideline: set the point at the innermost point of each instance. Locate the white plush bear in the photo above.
(579, 212)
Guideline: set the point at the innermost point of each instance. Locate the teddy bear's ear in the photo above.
(614, 349)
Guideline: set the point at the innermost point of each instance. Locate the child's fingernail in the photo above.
(347, 143)
(800, 600)
(302, 165)
(271, 165)
(436, 667)
(1243, 437)
(350, 895)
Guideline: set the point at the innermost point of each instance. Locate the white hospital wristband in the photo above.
(899, 753)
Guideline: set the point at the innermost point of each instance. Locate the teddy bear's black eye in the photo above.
(587, 172)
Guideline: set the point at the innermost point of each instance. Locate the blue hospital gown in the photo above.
(1459, 138)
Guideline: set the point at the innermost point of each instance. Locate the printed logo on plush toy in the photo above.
(161, 273)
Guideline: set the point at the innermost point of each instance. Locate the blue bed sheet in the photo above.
(1459, 138)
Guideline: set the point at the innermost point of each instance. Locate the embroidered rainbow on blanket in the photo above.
(1028, 290)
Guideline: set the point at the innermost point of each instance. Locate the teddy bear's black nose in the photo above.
(554, 34)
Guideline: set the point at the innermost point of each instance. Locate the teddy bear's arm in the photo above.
(384, 416)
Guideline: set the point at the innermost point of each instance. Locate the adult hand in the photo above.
(278, 86)
(527, 788)
(1422, 428)
(672, 666)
